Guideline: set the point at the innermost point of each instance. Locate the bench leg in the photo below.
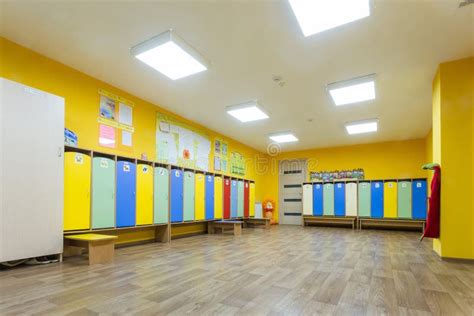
(101, 251)
(237, 230)
(210, 228)
(267, 224)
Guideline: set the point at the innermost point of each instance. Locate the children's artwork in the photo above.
(70, 138)
(224, 149)
(107, 107)
(217, 147)
(217, 163)
(125, 114)
(224, 165)
(355, 174)
(106, 136)
(237, 164)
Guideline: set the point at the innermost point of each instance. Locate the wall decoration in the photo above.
(354, 174)
(106, 136)
(237, 164)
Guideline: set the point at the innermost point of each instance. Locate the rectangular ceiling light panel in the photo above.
(316, 16)
(368, 126)
(247, 112)
(284, 137)
(170, 55)
(353, 90)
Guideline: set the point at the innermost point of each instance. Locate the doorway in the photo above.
(291, 175)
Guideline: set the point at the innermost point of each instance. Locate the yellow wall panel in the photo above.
(199, 197)
(77, 191)
(390, 199)
(218, 198)
(144, 194)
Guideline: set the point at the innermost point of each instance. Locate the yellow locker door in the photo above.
(390, 199)
(218, 198)
(199, 197)
(77, 191)
(252, 199)
(144, 194)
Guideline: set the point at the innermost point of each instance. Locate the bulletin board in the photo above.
(180, 144)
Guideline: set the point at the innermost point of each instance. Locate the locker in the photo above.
(246, 199)
(339, 199)
(144, 194)
(233, 198)
(363, 200)
(404, 199)
(252, 199)
(103, 192)
(176, 195)
(218, 197)
(188, 196)
(126, 194)
(328, 199)
(209, 196)
(376, 199)
(199, 197)
(390, 199)
(161, 195)
(307, 199)
(419, 198)
(77, 191)
(240, 199)
(351, 199)
(318, 199)
(227, 197)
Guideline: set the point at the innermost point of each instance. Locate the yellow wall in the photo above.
(453, 102)
(401, 159)
(80, 91)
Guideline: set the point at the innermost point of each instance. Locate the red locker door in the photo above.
(226, 198)
(246, 199)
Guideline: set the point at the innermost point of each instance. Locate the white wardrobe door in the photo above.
(307, 199)
(351, 199)
(32, 171)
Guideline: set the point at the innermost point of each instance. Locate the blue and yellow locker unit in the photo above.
(376, 199)
(339, 198)
(351, 198)
(364, 198)
(77, 190)
(318, 197)
(240, 198)
(390, 199)
(218, 197)
(199, 191)
(252, 199)
(233, 198)
(188, 195)
(176, 195)
(307, 198)
(103, 191)
(144, 193)
(419, 198)
(161, 193)
(328, 198)
(209, 194)
(126, 193)
(404, 198)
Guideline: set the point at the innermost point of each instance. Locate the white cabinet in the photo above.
(307, 199)
(31, 172)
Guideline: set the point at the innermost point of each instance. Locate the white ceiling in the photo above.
(247, 43)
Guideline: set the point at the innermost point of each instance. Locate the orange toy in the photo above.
(268, 207)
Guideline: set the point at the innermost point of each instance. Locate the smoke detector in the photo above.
(278, 80)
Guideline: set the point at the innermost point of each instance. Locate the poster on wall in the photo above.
(354, 174)
(115, 114)
(180, 144)
(237, 164)
(220, 155)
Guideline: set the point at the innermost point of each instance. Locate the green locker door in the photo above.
(188, 196)
(364, 199)
(240, 198)
(103, 192)
(160, 196)
(328, 199)
(404, 199)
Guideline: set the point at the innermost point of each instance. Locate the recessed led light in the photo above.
(247, 112)
(359, 127)
(283, 137)
(315, 16)
(353, 90)
(170, 55)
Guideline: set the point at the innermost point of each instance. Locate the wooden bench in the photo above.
(392, 223)
(101, 247)
(330, 220)
(252, 221)
(235, 226)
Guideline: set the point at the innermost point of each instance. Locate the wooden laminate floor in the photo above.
(283, 270)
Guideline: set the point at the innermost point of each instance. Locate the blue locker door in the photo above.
(125, 196)
(317, 199)
(233, 198)
(419, 196)
(340, 199)
(376, 199)
(209, 197)
(176, 195)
